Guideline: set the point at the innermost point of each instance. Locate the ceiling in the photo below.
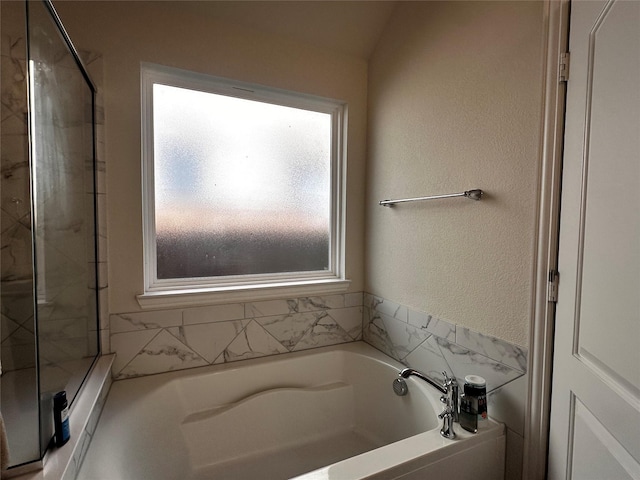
(350, 27)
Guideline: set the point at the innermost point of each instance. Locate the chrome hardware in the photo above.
(447, 423)
(400, 387)
(450, 397)
(475, 194)
(453, 396)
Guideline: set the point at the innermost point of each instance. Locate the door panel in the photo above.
(608, 283)
(595, 408)
(608, 457)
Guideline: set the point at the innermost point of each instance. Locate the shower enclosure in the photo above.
(49, 284)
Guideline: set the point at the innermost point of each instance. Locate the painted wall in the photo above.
(454, 104)
(455, 91)
(127, 33)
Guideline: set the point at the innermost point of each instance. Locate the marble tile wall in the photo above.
(62, 338)
(161, 341)
(434, 345)
(17, 313)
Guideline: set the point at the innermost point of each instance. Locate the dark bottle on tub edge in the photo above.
(61, 418)
(475, 391)
(468, 414)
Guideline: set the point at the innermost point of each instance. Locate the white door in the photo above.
(595, 405)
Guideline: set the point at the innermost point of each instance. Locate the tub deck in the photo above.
(284, 463)
(325, 411)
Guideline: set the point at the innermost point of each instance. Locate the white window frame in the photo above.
(209, 290)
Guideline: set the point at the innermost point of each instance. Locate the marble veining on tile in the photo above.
(465, 362)
(254, 341)
(429, 360)
(289, 329)
(433, 325)
(350, 319)
(499, 350)
(404, 337)
(389, 308)
(164, 353)
(144, 320)
(309, 304)
(231, 332)
(375, 333)
(324, 332)
(433, 345)
(209, 339)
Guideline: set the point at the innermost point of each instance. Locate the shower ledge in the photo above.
(64, 463)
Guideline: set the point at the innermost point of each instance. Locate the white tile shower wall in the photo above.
(16, 322)
(95, 66)
(162, 341)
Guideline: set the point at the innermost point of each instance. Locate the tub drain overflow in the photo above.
(400, 387)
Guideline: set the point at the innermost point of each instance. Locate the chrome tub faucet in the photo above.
(450, 397)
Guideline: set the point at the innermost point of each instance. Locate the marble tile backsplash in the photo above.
(434, 345)
(154, 342)
(160, 341)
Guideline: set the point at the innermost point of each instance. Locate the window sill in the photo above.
(235, 294)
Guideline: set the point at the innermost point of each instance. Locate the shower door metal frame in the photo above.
(45, 438)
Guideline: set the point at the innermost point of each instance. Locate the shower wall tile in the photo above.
(95, 67)
(7, 327)
(18, 340)
(159, 341)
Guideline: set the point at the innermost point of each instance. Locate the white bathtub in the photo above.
(328, 413)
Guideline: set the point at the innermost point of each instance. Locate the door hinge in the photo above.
(564, 67)
(552, 290)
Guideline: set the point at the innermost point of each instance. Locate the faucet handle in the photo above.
(448, 381)
(446, 413)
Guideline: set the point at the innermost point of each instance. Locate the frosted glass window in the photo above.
(241, 186)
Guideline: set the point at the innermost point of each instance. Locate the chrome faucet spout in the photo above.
(407, 372)
(450, 397)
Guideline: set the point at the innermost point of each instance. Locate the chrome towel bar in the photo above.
(475, 194)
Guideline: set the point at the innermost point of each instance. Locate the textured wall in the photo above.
(127, 33)
(454, 104)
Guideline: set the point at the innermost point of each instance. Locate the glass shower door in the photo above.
(61, 126)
